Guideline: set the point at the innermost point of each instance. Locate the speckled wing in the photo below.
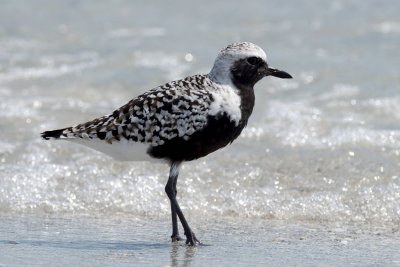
(176, 109)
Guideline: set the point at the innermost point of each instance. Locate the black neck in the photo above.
(246, 93)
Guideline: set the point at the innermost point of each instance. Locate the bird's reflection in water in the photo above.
(182, 255)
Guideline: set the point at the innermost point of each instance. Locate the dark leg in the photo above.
(170, 189)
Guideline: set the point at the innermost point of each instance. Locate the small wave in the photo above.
(129, 32)
(52, 66)
(334, 118)
(298, 124)
(11, 44)
(174, 65)
(388, 27)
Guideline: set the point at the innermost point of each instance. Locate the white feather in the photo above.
(119, 150)
(226, 99)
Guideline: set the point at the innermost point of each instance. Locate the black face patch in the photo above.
(255, 61)
(248, 71)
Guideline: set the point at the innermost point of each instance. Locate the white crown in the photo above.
(220, 73)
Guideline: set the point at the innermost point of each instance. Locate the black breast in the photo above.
(219, 132)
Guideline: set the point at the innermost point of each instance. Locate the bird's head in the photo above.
(243, 63)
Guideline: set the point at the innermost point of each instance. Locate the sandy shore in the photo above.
(83, 241)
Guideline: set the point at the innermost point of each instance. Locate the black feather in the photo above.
(52, 134)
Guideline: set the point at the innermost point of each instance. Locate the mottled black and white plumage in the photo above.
(181, 120)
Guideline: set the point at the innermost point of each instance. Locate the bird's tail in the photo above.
(56, 134)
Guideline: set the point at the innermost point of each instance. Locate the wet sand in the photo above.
(84, 241)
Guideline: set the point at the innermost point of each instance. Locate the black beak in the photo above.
(278, 73)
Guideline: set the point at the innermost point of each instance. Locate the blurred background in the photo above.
(322, 147)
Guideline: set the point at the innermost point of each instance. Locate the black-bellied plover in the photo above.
(181, 120)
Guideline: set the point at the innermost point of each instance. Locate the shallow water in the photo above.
(83, 241)
(320, 149)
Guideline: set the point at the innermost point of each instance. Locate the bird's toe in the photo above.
(191, 239)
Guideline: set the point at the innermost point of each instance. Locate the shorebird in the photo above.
(181, 120)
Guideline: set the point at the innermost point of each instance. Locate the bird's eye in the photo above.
(253, 60)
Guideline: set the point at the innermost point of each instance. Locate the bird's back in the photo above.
(181, 120)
